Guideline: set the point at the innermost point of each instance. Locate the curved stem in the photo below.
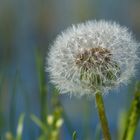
(102, 116)
(134, 115)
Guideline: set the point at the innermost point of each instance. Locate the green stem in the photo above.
(134, 115)
(42, 85)
(74, 136)
(102, 116)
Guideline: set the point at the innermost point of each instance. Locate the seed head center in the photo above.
(93, 57)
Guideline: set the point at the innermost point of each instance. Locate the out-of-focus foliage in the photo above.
(26, 29)
(19, 131)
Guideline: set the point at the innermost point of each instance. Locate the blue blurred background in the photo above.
(27, 28)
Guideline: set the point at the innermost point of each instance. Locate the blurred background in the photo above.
(27, 28)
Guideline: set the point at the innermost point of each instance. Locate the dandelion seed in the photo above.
(95, 55)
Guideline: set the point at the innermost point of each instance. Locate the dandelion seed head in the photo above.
(91, 56)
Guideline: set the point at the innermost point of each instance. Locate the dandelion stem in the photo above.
(134, 115)
(102, 116)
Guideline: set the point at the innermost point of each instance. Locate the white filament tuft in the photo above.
(81, 57)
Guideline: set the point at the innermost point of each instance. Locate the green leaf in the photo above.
(74, 136)
(20, 127)
(39, 123)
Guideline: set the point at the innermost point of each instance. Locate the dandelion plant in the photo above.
(91, 59)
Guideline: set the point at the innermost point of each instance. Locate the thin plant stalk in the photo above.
(42, 85)
(134, 115)
(102, 116)
(67, 121)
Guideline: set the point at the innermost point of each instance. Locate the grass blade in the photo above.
(39, 123)
(20, 127)
(74, 136)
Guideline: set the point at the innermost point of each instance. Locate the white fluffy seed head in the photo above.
(95, 55)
